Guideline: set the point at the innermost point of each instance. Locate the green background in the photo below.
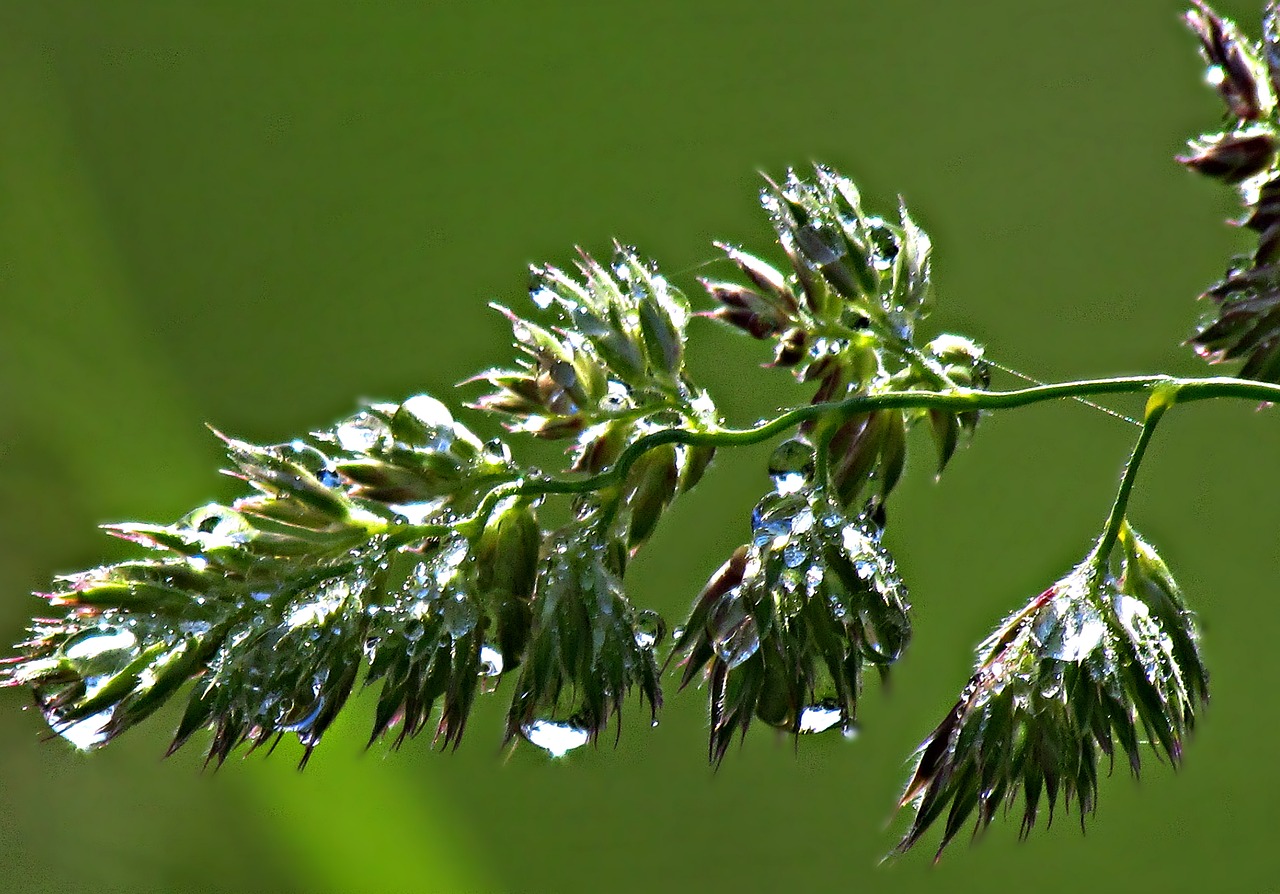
(256, 216)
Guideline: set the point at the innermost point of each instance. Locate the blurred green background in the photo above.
(257, 215)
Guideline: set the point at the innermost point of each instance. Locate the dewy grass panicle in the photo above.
(399, 551)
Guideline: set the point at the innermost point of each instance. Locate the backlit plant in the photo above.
(398, 551)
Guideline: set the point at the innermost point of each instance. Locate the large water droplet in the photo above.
(98, 656)
(496, 452)
(791, 466)
(794, 555)
(195, 628)
(884, 243)
(87, 733)
(429, 411)
(416, 513)
(414, 630)
(97, 650)
(554, 737)
(813, 577)
(735, 633)
(361, 433)
(617, 397)
(303, 725)
(803, 522)
(650, 629)
(490, 661)
(820, 717)
(1077, 633)
(460, 615)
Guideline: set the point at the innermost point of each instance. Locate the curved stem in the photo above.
(1161, 399)
(1169, 388)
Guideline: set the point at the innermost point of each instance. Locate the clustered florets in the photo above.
(401, 549)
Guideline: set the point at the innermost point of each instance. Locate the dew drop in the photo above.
(1078, 634)
(794, 555)
(813, 577)
(460, 615)
(87, 733)
(361, 433)
(429, 411)
(195, 628)
(103, 646)
(791, 466)
(554, 737)
(736, 635)
(617, 397)
(416, 513)
(820, 717)
(650, 629)
(803, 522)
(303, 727)
(490, 661)
(496, 452)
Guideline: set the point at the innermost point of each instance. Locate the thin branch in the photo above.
(1186, 390)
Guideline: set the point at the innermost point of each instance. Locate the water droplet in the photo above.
(542, 296)
(791, 466)
(416, 513)
(496, 452)
(1052, 689)
(446, 565)
(428, 411)
(736, 635)
(87, 733)
(303, 726)
(794, 555)
(317, 612)
(554, 737)
(490, 661)
(361, 433)
(802, 522)
(104, 646)
(1075, 630)
(618, 397)
(820, 717)
(460, 615)
(813, 577)
(650, 629)
(885, 244)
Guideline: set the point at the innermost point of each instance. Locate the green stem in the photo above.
(1161, 399)
(822, 456)
(959, 400)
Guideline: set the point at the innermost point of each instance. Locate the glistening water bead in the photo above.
(554, 737)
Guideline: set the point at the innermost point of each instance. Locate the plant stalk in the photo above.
(1167, 388)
